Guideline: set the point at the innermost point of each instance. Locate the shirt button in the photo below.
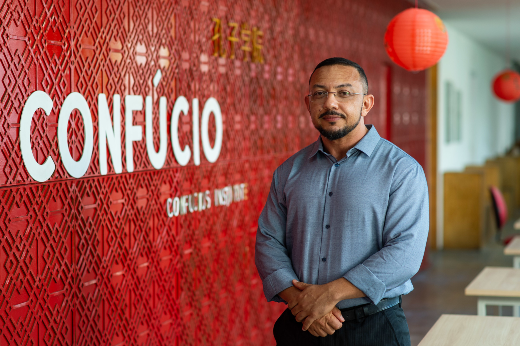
(323, 259)
(336, 164)
(327, 227)
(330, 193)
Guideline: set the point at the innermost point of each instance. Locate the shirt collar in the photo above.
(367, 144)
(317, 146)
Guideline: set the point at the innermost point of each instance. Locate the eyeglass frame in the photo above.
(333, 92)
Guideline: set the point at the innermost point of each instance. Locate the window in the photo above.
(453, 111)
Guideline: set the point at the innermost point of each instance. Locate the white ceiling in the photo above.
(483, 20)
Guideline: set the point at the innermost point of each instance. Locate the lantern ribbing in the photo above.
(416, 39)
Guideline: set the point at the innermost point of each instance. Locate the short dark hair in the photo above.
(344, 62)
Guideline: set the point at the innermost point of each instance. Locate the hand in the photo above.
(328, 324)
(312, 303)
(290, 295)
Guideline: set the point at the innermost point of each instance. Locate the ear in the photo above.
(368, 103)
(307, 103)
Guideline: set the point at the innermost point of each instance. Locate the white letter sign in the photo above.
(156, 158)
(211, 106)
(132, 133)
(182, 156)
(109, 134)
(75, 168)
(41, 173)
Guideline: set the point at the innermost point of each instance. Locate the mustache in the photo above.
(331, 112)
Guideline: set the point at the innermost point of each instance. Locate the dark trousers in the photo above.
(385, 328)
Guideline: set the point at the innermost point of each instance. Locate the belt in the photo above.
(361, 311)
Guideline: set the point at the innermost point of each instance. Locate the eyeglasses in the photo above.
(341, 96)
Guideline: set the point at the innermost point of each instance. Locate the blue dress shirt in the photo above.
(364, 218)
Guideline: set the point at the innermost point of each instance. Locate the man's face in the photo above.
(332, 116)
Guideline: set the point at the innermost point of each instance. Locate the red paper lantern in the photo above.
(416, 39)
(506, 86)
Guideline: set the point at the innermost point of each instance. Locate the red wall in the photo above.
(97, 260)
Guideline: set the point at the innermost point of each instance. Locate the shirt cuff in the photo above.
(277, 282)
(361, 277)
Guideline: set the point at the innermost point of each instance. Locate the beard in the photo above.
(337, 134)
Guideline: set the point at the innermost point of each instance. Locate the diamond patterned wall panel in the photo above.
(96, 260)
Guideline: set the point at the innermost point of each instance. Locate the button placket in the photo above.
(324, 247)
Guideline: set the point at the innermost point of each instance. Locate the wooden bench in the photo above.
(491, 174)
(513, 249)
(460, 330)
(496, 286)
(510, 179)
(464, 200)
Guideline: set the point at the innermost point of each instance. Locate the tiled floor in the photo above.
(440, 288)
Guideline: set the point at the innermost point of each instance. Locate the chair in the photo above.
(500, 212)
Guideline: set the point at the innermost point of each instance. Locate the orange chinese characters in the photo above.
(251, 41)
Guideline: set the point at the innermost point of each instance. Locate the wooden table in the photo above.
(460, 330)
(516, 225)
(513, 248)
(496, 286)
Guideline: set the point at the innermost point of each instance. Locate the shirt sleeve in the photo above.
(271, 255)
(404, 237)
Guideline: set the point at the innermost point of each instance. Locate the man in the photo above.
(345, 224)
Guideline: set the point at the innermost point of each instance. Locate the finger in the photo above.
(293, 305)
(336, 312)
(317, 330)
(299, 285)
(328, 329)
(313, 332)
(296, 310)
(308, 321)
(334, 323)
(301, 316)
